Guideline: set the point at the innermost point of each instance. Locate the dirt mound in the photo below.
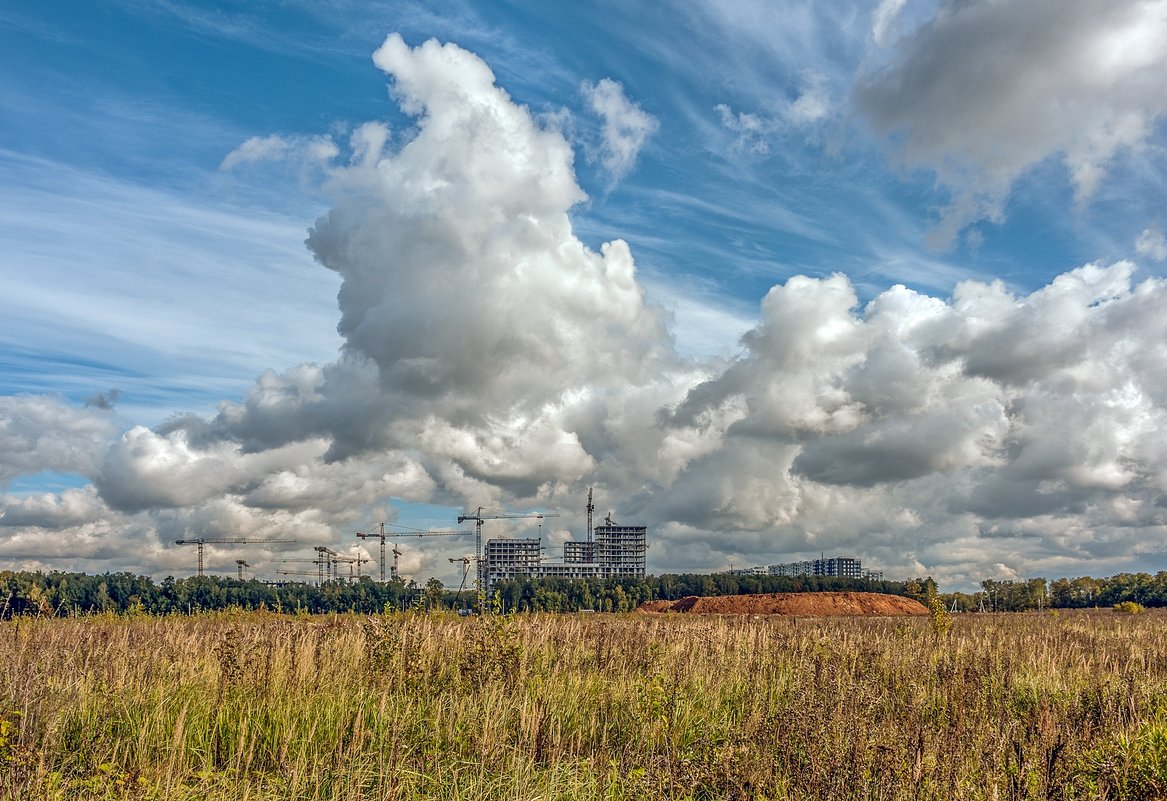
(804, 604)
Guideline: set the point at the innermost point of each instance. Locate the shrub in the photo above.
(941, 620)
(1128, 608)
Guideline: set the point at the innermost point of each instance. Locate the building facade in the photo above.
(840, 566)
(615, 552)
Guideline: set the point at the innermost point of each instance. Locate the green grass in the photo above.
(257, 706)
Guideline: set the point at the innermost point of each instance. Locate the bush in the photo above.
(1128, 608)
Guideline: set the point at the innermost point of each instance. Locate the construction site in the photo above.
(608, 550)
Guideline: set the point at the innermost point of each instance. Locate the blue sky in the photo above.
(163, 164)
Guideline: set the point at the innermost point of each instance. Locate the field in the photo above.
(262, 706)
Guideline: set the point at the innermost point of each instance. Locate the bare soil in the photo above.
(802, 604)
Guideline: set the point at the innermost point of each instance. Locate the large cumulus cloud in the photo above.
(1018, 416)
(472, 315)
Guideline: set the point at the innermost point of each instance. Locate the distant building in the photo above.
(620, 549)
(506, 559)
(616, 551)
(749, 571)
(840, 566)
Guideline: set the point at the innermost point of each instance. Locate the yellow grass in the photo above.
(261, 706)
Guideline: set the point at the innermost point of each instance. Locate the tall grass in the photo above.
(262, 706)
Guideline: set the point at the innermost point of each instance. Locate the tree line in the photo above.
(625, 594)
(67, 594)
(1084, 592)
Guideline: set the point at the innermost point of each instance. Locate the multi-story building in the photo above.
(507, 558)
(614, 552)
(620, 549)
(749, 571)
(842, 566)
(576, 552)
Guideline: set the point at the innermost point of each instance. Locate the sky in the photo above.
(776, 279)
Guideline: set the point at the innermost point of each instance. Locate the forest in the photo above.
(69, 594)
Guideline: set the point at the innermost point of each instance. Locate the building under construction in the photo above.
(611, 550)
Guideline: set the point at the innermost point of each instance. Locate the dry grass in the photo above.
(257, 706)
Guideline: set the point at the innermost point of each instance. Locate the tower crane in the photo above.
(479, 518)
(241, 563)
(396, 554)
(201, 541)
(350, 561)
(330, 558)
(319, 562)
(325, 563)
(381, 535)
(590, 508)
(406, 531)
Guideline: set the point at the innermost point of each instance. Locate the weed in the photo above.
(1130, 766)
(938, 615)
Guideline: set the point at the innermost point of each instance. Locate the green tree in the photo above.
(434, 593)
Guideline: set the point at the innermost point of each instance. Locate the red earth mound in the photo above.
(803, 604)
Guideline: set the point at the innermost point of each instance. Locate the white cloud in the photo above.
(884, 21)
(308, 150)
(1030, 414)
(70, 508)
(813, 102)
(987, 90)
(40, 433)
(626, 126)
(1152, 244)
(755, 131)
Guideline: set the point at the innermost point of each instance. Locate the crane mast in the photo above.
(465, 562)
(479, 518)
(381, 535)
(324, 564)
(396, 553)
(350, 561)
(326, 557)
(591, 508)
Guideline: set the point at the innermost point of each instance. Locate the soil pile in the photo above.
(803, 604)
